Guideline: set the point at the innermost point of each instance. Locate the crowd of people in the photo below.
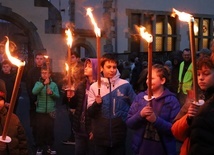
(102, 111)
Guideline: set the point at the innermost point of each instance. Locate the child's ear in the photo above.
(163, 81)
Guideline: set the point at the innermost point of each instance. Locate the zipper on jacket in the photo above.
(110, 113)
(46, 108)
(114, 104)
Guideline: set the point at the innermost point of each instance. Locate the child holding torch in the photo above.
(195, 128)
(47, 92)
(152, 122)
(18, 144)
(109, 109)
(81, 120)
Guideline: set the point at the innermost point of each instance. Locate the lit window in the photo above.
(160, 24)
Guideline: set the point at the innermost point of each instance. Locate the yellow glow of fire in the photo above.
(46, 57)
(69, 37)
(66, 67)
(182, 15)
(96, 28)
(145, 35)
(12, 59)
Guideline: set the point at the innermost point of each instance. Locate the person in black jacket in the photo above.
(201, 119)
(32, 77)
(9, 77)
(76, 69)
(81, 120)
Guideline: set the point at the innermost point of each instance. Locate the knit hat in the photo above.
(204, 51)
(2, 90)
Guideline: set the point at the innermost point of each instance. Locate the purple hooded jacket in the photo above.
(166, 108)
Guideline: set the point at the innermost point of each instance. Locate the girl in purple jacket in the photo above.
(152, 122)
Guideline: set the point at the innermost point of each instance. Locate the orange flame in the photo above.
(46, 57)
(66, 67)
(145, 35)
(96, 28)
(69, 37)
(182, 15)
(12, 59)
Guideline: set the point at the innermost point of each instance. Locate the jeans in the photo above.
(45, 129)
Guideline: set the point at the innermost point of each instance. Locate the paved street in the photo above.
(62, 126)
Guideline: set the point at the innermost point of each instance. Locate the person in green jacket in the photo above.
(47, 92)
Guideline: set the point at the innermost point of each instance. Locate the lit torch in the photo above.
(47, 62)
(190, 19)
(69, 43)
(148, 37)
(98, 34)
(66, 69)
(20, 65)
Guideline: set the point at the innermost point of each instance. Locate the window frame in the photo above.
(198, 38)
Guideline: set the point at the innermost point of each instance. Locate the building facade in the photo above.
(38, 26)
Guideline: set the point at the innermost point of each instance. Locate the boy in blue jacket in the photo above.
(109, 109)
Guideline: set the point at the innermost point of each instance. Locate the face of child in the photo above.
(74, 59)
(157, 81)
(45, 74)
(39, 60)
(109, 69)
(6, 68)
(205, 78)
(88, 69)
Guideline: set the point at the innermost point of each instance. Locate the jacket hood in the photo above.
(94, 67)
(112, 80)
(94, 63)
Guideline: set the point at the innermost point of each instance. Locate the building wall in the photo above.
(189, 6)
(55, 44)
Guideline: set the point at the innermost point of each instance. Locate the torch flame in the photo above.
(66, 67)
(145, 35)
(96, 28)
(182, 15)
(46, 57)
(12, 59)
(69, 37)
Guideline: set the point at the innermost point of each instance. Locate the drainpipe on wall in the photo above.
(115, 18)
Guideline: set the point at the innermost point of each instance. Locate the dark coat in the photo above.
(32, 77)
(202, 128)
(9, 80)
(18, 145)
(81, 118)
